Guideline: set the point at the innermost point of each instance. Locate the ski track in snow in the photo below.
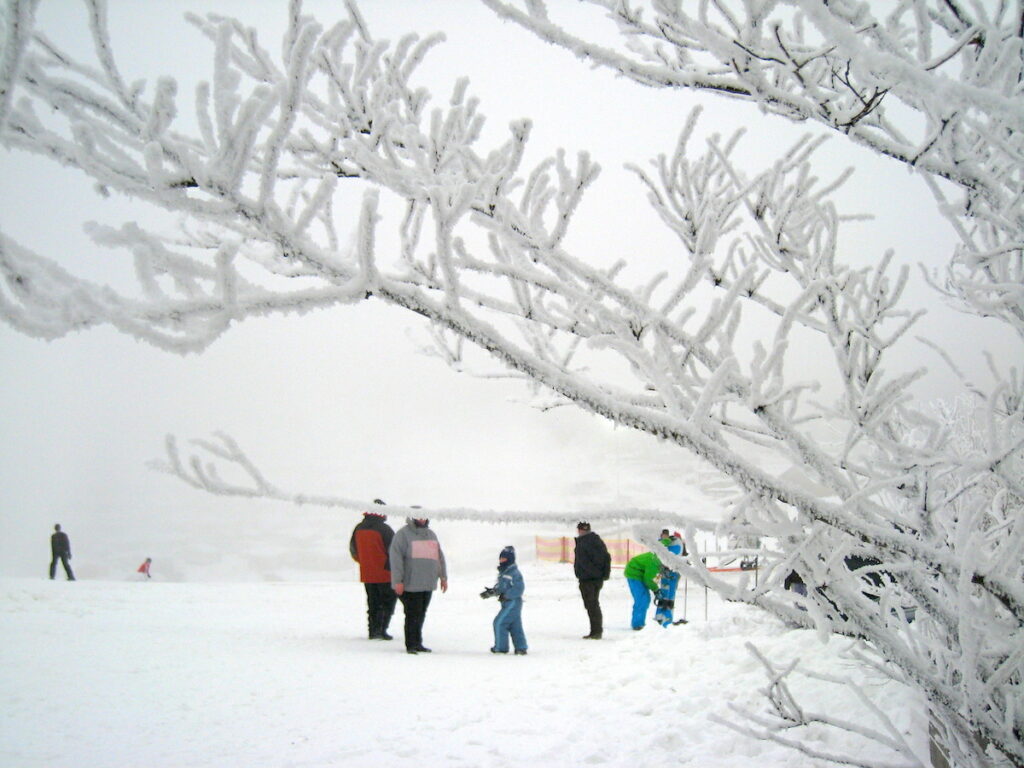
(104, 673)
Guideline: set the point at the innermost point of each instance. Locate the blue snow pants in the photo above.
(641, 602)
(509, 621)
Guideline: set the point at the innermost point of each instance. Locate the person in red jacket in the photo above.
(144, 568)
(369, 547)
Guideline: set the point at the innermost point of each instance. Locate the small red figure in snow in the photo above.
(144, 568)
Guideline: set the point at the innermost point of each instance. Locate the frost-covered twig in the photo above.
(788, 716)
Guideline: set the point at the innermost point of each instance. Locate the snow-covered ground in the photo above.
(211, 673)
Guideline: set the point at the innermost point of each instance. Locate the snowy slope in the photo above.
(124, 673)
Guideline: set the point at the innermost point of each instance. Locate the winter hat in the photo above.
(582, 525)
(419, 522)
(508, 554)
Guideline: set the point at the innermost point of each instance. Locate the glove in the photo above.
(488, 592)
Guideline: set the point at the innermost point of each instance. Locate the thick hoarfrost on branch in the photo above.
(17, 25)
(299, 152)
(221, 467)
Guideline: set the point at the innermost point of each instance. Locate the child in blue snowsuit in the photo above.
(510, 588)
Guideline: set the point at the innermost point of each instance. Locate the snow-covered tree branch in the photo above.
(787, 714)
(296, 158)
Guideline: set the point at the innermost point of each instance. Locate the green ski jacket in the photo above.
(645, 568)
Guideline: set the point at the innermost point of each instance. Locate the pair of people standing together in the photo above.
(592, 567)
(406, 566)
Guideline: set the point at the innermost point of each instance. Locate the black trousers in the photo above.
(591, 590)
(415, 606)
(380, 605)
(67, 566)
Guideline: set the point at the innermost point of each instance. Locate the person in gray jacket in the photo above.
(417, 564)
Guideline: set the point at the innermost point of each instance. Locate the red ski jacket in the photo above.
(369, 547)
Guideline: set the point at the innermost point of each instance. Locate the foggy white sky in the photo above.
(340, 401)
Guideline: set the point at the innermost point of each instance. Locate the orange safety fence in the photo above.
(562, 549)
(554, 550)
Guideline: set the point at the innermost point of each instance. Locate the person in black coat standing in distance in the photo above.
(60, 548)
(369, 546)
(593, 566)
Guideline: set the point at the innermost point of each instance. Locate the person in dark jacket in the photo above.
(417, 564)
(60, 549)
(369, 546)
(593, 566)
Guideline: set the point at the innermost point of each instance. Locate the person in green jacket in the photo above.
(641, 575)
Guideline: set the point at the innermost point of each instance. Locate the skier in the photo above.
(60, 549)
(593, 566)
(417, 563)
(509, 588)
(369, 545)
(144, 568)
